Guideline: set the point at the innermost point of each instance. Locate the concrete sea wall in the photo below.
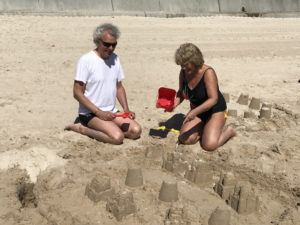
(162, 8)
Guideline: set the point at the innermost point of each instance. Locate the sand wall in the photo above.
(258, 6)
(156, 7)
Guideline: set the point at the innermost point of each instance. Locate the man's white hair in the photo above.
(111, 29)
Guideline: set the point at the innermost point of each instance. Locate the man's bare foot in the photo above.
(77, 127)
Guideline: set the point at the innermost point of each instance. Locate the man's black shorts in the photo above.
(84, 119)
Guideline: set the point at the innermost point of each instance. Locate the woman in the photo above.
(198, 83)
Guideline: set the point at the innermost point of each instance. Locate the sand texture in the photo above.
(52, 176)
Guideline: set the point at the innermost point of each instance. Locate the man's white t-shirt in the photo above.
(101, 77)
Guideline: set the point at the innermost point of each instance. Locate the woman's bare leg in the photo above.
(213, 135)
(190, 132)
(228, 133)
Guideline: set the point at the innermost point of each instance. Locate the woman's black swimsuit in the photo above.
(199, 95)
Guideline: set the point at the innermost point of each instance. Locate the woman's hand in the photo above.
(190, 116)
(176, 103)
(171, 109)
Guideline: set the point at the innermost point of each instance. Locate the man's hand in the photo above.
(131, 114)
(107, 116)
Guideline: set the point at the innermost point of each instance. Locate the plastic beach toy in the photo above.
(124, 115)
(166, 98)
(168, 129)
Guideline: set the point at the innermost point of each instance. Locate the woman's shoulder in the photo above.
(209, 74)
(208, 69)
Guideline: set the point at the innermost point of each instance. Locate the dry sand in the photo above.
(259, 57)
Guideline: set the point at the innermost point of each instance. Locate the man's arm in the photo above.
(78, 93)
(121, 96)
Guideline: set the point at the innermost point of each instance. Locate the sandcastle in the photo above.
(220, 216)
(199, 173)
(175, 162)
(243, 200)
(154, 152)
(268, 105)
(176, 215)
(99, 189)
(250, 114)
(232, 112)
(134, 176)
(225, 186)
(121, 204)
(240, 197)
(263, 109)
(168, 191)
(226, 97)
(265, 112)
(243, 99)
(254, 103)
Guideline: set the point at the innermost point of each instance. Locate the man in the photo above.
(97, 84)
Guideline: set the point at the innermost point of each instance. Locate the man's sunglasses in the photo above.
(107, 45)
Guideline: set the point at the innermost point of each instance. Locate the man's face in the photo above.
(106, 45)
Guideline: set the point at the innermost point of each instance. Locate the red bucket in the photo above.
(166, 98)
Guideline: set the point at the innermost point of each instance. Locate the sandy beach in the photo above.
(47, 175)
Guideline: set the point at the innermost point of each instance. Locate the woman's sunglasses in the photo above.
(107, 45)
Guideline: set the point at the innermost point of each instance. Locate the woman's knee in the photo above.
(188, 140)
(117, 138)
(209, 145)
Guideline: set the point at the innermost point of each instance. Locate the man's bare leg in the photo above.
(98, 135)
(112, 133)
(109, 131)
(130, 128)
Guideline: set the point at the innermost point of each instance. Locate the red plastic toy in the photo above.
(166, 98)
(124, 115)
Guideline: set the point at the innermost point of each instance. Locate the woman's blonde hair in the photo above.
(189, 53)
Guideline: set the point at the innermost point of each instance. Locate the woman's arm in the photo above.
(179, 98)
